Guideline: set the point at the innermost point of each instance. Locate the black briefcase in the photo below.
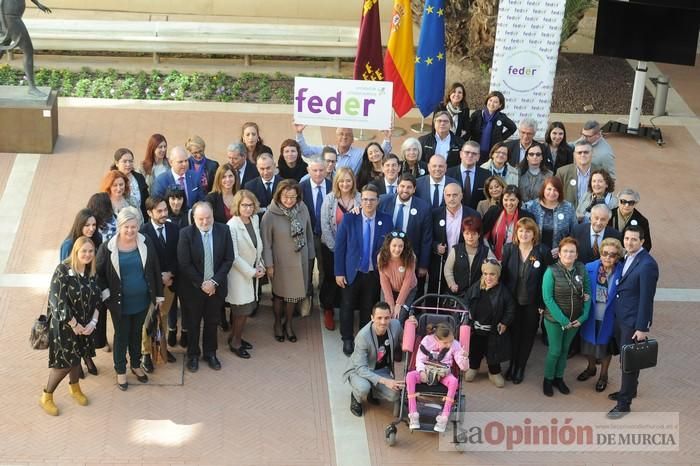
(640, 355)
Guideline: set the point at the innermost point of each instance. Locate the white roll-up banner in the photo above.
(528, 33)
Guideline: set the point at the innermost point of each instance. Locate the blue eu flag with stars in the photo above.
(430, 58)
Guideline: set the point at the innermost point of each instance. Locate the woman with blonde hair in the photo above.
(129, 274)
(203, 167)
(247, 270)
(343, 198)
(597, 333)
(74, 297)
(491, 310)
(411, 158)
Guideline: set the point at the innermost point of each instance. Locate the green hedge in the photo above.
(111, 84)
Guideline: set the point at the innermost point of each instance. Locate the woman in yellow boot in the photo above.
(73, 299)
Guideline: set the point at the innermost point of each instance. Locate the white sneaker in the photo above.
(440, 423)
(413, 421)
(470, 375)
(497, 380)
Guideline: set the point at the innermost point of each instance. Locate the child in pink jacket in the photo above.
(439, 346)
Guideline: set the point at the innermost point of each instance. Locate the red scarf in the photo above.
(499, 233)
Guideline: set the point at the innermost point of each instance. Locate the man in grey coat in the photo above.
(371, 364)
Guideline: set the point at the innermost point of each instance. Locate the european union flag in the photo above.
(430, 58)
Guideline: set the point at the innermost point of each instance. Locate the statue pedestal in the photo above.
(28, 124)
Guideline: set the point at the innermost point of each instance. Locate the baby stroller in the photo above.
(452, 311)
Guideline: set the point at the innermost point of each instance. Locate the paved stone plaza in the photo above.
(287, 405)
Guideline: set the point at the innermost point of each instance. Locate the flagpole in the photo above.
(364, 137)
(396, 131)
(418, 128)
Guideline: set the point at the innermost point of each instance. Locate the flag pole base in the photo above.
(397, 132)
(418, 127)
(364, 137)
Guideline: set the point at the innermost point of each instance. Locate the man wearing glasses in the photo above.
(357, 244)
(518, 148)
(603, 155)
(470, 176)
(442, 141)
(575, 176)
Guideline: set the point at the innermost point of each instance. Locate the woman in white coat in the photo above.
(247, 267)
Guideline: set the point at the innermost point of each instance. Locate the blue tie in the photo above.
(317, 209)
(392, 189)
(366, 243)
(436, 196)
(399, 218)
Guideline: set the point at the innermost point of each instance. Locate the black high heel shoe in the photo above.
(90, 364)
(278, 336)
(290, 335)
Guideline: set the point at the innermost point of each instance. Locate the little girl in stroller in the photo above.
(437, 351)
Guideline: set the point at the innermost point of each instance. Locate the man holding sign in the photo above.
(348, 156)
(344, 103)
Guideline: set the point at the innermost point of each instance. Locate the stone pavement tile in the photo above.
(670, 387)
(684, 79)
(6, 161)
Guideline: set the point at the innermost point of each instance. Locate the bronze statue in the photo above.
(13, 33)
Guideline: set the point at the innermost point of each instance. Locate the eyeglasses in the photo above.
(292, 197)
(249, 205)
(534, 154)
(468, 152)
(627, 202)
(398, 234)
(441, 121)
(611, 255)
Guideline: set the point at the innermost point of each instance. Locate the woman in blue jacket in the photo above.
(596, 333)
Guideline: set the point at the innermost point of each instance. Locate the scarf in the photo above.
(503, 231)
(295, 173)
(454, 113)
(486, 130)
(296, 228)
(602, 288)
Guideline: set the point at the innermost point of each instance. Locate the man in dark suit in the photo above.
(313, 191)
(357, 244)
(389, 181)
(179, 176)
(526, 138)
(447, 232)
(442, 141)
(236, 154)
(164, 236)
(634, 309)
(468, 170)
(205, 256)
(264, 186)
(431, 187)
(413, 216)
(590, 235)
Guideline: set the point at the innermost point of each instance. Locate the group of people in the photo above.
(508, 226)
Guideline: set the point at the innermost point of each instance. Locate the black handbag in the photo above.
(39, 337)
(638, 356)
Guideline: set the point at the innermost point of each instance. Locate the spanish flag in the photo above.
(368, 63)
(400, 57)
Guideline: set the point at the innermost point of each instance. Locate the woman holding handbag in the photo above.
(73, 300)
(247, 269)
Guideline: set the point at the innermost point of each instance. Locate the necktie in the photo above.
(436, 196)
(268, 188)
(398, 223)
(208, 257)
(181, 182)
(392, 189)
(467, 191)
(317, 210)
(596, 252)
(366, 244)
(160, 235)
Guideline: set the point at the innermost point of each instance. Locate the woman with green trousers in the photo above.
(566, 290)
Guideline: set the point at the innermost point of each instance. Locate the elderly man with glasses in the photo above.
(441, 141)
